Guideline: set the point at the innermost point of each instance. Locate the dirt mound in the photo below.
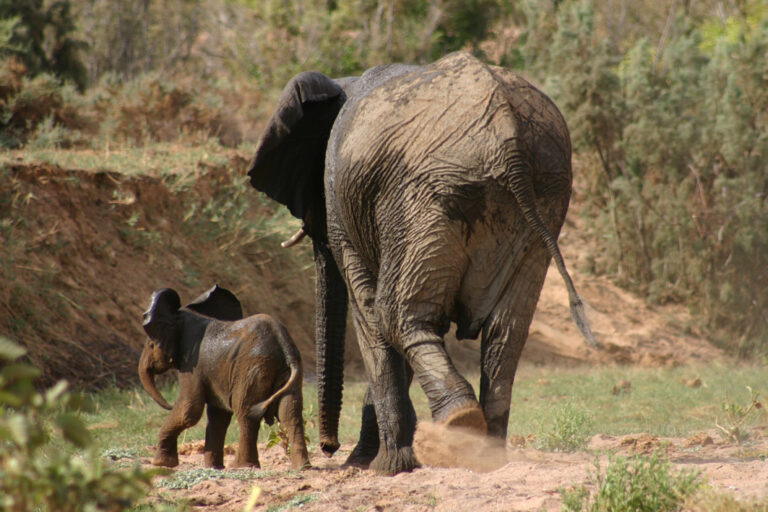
(83, 250)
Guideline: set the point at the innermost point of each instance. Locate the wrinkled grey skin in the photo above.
(432, 194)
(247, 367)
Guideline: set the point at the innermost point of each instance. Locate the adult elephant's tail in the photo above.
(520, 182)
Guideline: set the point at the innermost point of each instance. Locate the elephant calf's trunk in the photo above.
(147, 378)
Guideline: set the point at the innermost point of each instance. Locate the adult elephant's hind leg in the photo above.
(395, 416)
(504, 335)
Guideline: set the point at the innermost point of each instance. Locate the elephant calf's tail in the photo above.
(522, 188)
(293, 359)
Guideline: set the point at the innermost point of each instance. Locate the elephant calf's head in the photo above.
(164, 326)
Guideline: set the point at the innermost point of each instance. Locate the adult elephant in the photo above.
(432, 194)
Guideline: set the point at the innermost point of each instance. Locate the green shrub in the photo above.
(35, 474)
(640, 483)
(568, 429)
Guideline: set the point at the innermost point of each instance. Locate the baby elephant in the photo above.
(246, 366)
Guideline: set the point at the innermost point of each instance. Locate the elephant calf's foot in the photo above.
(168, 460)
(241, 463)
(391, 462)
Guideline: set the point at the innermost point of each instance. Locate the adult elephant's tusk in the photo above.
(296, 238)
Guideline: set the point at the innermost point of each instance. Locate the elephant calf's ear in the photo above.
(160, 318)
(218, 303)
(290, 156)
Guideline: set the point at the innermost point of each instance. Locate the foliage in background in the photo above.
(42, 36)
(678, 191)
(35, 476)
(640, 483)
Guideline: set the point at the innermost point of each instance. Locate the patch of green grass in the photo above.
(295, 502)
(658, 402)
(640, 483)
(191, 477)
(561, 407)
(158, 159)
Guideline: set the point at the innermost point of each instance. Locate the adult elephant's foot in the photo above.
(469, 418)
(362, 455)
(391, 462)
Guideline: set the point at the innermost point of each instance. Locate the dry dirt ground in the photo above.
(528, 481)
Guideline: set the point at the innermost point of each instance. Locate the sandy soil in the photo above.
(528, 480)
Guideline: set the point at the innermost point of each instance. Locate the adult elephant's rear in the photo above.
(445, 188)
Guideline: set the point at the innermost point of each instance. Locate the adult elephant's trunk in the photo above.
(147, 378)
(331, 325)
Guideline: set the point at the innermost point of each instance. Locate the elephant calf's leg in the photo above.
(215, 433)
(185, 414)
(289, 413)
(247, 450)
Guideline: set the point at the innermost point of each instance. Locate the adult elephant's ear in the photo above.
(290, 156)
(160, 320)
(218, 303)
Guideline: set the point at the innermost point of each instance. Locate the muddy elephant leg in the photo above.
(289, 413)
(394, 413)
(215, 433)
(247, 449)
(416, 292)
(186, 412)
(386, 369)
(451, 398)
(504, 335)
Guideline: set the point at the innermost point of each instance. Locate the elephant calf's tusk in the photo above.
(296, 238)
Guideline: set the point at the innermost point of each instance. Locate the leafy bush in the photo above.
(33, 105)
(36, 476)
(568, 429)
(640, 483)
